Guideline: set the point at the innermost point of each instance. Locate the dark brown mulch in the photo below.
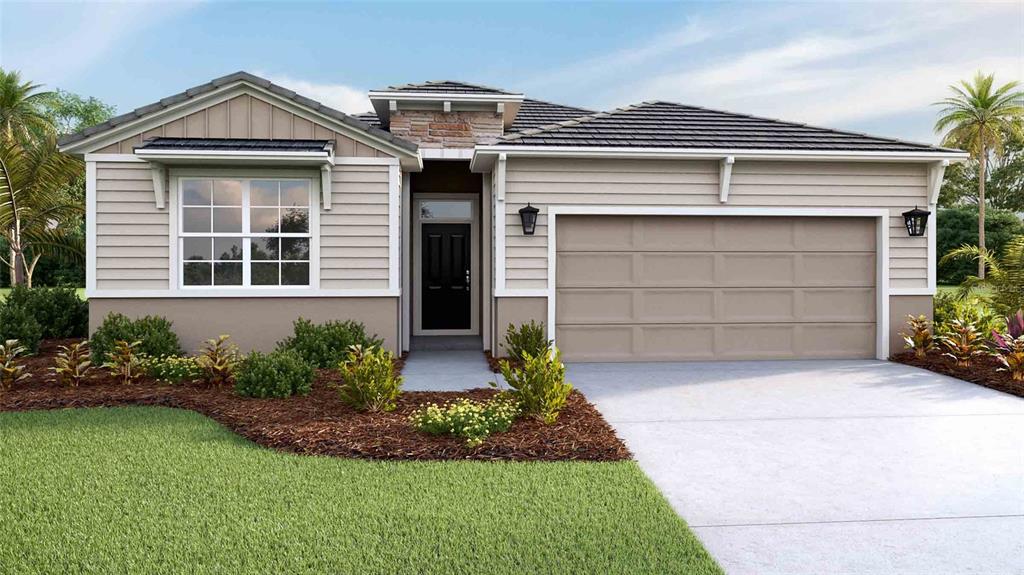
(320, 424)
(983, 371)
(494, 362)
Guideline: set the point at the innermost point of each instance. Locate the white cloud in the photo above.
(338, 96)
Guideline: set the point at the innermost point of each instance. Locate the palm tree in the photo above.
(34, 211)
(1006, 274)
(977, 118)
(21, 108)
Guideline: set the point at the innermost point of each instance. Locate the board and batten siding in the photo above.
(247, 117)
(133, 236)
(560, 181)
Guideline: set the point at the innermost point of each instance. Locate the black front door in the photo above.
(446, 289)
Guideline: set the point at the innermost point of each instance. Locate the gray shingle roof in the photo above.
(670, 125)
(537, 113)
(230, 79)
(235, 144)
(447, 87)
(368, 117)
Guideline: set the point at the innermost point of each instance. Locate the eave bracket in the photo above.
(724, 177)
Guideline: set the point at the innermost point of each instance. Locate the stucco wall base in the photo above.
(516, 310)
(252, 323)
(899, 308)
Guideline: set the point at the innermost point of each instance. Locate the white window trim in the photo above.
(246, 260)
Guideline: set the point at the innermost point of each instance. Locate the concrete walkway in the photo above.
(446, 370)
(827, 467)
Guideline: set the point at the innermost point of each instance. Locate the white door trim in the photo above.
(474, 265)
(881, 257)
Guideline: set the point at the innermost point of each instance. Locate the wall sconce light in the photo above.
(528, 215)
(916, 221)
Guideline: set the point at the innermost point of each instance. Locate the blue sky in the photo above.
(868, 66)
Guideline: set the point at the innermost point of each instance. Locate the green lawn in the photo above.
(5, 291)
(156, 490)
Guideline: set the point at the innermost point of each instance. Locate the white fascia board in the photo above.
(229, 156)
(447, 153)
(714, 154)
(113, 158)
(443, 96)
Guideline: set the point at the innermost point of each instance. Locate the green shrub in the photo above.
(527, 339)
(17, 322)
(949, 307)
(59, 311)
(325, 345)
(368, 380)
(153, 333)
(471, 420)
(276, 374)
(959, 226)
(539, 384)
(173, 369)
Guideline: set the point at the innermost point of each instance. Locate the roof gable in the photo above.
(170, 117)
(660, 124)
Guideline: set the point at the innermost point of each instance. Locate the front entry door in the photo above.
(447, 294)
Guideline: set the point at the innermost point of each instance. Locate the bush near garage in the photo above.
(959, 226)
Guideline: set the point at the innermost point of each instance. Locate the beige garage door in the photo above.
(646, 288)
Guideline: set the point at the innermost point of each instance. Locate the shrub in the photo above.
(276, 374)
(1004, 274)
(11, 368)
(920, 337)
(963, 342)
(124, 362)
(471, 420)
(217, 360)
(527, 339)
(325, 345)
(17, 322)
(1015, 324)
(368, 380)
(539, 384)
(59, 311)
(1010, 353)
(153, 333)
(173, 369)
(974, 310)
(72, 363)
(959, 226)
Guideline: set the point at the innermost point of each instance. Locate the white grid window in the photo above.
(245, 232)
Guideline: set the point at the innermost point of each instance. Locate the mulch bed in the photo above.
(494, 362)
(320, 424)
(983, 371)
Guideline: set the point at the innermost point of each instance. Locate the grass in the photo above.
(953, 289)
(5, 291)
(157, 490)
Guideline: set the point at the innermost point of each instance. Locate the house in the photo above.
(658, 231)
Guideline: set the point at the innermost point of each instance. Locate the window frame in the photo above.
(246, 177)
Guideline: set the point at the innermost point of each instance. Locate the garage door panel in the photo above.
(644, 288)
(757, 305)
(841, 305)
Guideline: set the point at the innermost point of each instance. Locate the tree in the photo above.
(1005, 278)
(68, 112)
(34, 213)
(21, 105)
(959, 227)
(976, 118)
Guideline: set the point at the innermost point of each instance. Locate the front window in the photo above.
(245, 232)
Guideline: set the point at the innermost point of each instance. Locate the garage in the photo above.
(677, 288)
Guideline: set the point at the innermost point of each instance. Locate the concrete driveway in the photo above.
(827, 467)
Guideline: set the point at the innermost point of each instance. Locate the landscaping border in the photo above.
(983, 371)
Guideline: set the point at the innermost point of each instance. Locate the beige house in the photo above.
(662, 231)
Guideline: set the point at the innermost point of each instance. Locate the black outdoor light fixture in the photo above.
(916, 221)
(529, 216)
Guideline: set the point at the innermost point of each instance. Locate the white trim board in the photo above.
(882, 291)
(237, 294)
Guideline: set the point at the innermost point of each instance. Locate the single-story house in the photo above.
(658, 231)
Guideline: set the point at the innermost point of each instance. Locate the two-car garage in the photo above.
(701, 287)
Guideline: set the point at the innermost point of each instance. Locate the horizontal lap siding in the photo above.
(354, 233)
(550, 181)
(131, 233)
(247, 117)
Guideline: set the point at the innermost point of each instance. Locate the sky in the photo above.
(874, 67)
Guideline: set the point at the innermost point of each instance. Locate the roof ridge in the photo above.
(456, 82)
(803, 125)
(240, 76)
(557, 104)
(565, 123)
